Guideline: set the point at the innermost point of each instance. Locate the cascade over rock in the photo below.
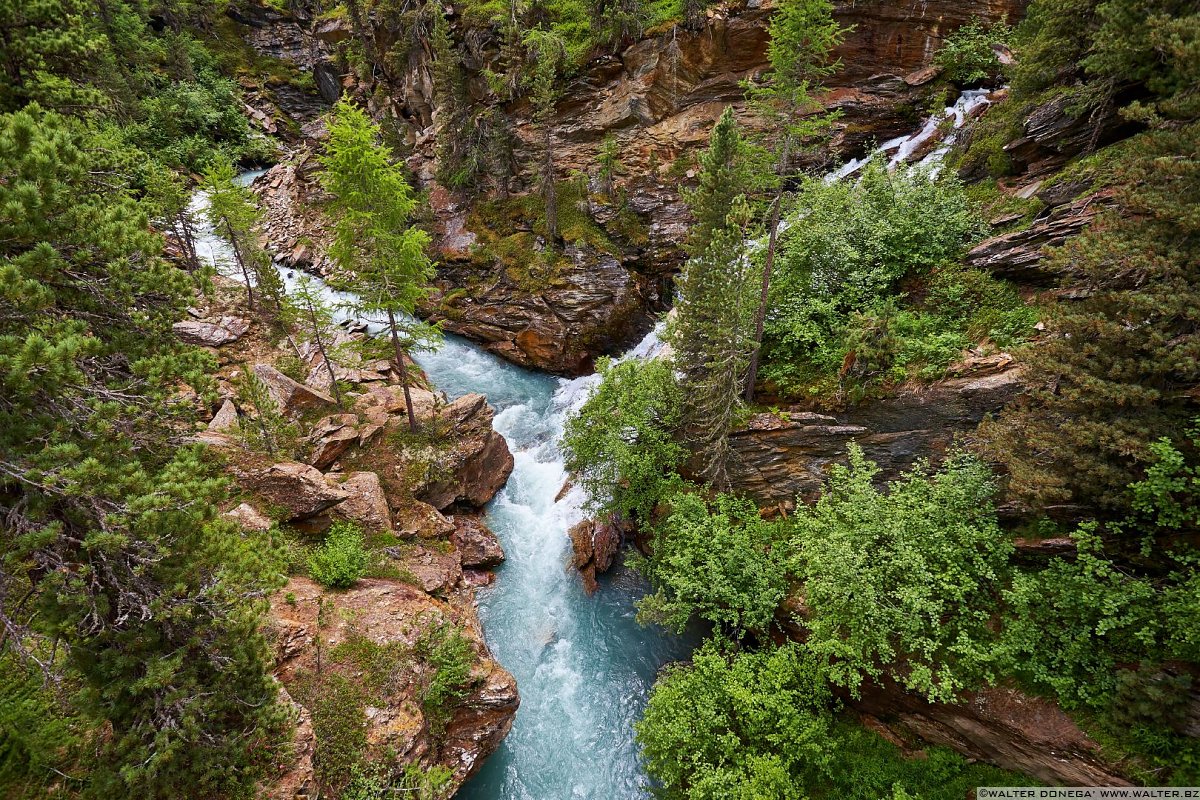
(659, 98)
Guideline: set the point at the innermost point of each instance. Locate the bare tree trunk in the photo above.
(768, 263)
(548, 187)
(237, 255)
(412, 417)
(312, 315)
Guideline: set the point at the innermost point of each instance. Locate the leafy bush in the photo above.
(621, 446)
(342, 559)
(725, 565)
(846, 252)
(967, 55)
(904, 581)
(751, 724)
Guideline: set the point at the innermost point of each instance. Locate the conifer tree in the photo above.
(547, 50)
(710, 335)
(374, 239)
(803, 33)
(111, 545)
(235, 216)
(318, 318)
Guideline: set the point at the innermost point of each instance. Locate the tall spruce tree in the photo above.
(235, 216)
(374, 239)
(710, 334)
(548, 51)
(803, 34)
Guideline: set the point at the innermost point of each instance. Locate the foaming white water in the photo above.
(900, 149)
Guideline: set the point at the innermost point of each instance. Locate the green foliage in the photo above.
(967, 55)
(1104, 389)
(724, 564)
(338, 708)
(621, 446)
(443, 646)
(904, 581)
(112, 533)
(834, 296)
(40, 737)
(747, 725)
(1169, 495)
(342, 559)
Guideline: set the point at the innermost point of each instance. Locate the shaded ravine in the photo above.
(583, 665)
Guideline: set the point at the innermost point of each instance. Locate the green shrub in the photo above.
(342, 559)
(845, 254)
(904, 581)
(967, 55)
(725, 565)
(444, 647)
(621, 446)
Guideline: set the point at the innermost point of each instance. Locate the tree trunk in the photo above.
(237, 254)
(768, 263)
(548, 187)
(412, 417)
(312, 315)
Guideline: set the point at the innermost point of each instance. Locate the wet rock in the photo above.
(778, 457)
(297, 490)
(292, 396)
(367, 504)
(477, 463)
(478, 547)
(211, 332)
(594, 546)
(249, 518)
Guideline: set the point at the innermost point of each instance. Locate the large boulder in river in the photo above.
(390, 619)
(475, 463)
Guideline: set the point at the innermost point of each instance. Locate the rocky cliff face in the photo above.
(778, 458)
(658, 98)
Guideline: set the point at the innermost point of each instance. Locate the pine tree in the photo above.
(111, 545)
(803, 33)
(374, 239)
(609, 163)
(234, 215)
(318, 318)
(709, 336)
(547, 50)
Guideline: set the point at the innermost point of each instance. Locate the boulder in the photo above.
(226, 418)
(477, 463)
(249, 518)
(478, 547)
(211, 332)
(417, 519)
(390, 613)
(595, 546)
(366, 504)
(291, 396)
(298, 490)
(331, 437)
(436, 572)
